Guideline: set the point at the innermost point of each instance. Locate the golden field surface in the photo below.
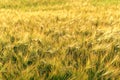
(59, 40)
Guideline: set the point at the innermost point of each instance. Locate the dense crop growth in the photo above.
(59, 40)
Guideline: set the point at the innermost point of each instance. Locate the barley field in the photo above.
(59, 39)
